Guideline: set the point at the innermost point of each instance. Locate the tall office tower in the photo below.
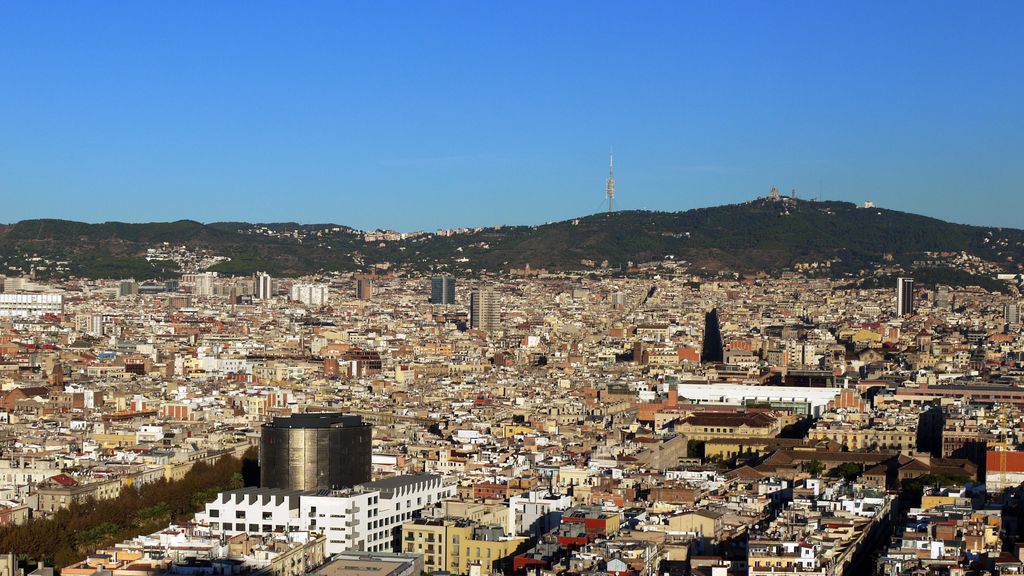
(314, 451)
(127, 288)
(442, 289)
(204, 283)
(1011, 312)
(95, 325)
(904, 296)
(263, 286)
(364, 287)
(483, 310)
(712, 349)
(618, 299)
(942, 300)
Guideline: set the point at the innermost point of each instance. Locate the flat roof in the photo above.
(402, 481)
(317, 420)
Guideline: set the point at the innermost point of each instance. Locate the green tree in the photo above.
(846, 471)
(814, 468)
(695, 449)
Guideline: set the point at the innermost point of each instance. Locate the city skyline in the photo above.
(399, 119)
(524, 289)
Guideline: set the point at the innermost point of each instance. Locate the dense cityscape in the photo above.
(529, 288)
(624, 422)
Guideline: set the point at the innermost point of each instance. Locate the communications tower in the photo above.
(611, 182)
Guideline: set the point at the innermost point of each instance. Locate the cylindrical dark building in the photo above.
(315, 451)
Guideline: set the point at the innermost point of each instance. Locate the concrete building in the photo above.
(536, 513)
(1011, 313)
(310, 294)
(127, 288)
(364, 288)
(483, 310)
(263, 286)
(204, 284)
(367, 517)
(31, 304)
(456, 545)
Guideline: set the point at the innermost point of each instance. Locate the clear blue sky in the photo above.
(418, 115)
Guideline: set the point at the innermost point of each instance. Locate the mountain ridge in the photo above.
(758, 235)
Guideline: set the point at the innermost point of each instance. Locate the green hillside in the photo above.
(754, 236)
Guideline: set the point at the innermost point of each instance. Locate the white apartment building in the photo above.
(263, 288)
(204, 283)
(310, 294)
(365, 518)
(24, 473)
(31, 304)
(536, 512)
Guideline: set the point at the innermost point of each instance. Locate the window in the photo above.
(268, 515)
(239, 514)
(240, 527)
(214, 513)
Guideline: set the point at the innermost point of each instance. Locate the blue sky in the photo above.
(419, 115)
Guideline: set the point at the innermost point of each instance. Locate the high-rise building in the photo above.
(483, 310)
(712, 349)
(204, 284)
(127, 288)
(310, 294)
(95, 325)
(942, 299)
(314, 451)
(618, 299)
(442, 289)
(364, 287)
(263, 286)
(904, 296)
(1011, 313)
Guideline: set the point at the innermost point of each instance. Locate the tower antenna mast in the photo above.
(611, 182)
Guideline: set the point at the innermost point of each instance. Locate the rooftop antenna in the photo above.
(611, 181)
